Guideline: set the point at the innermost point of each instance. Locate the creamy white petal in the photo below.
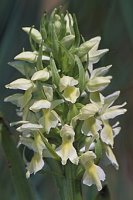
(107, 134)
(110, 155)
(95, 56)
(69, 22)
(35, 165)
(91, 126)
(67, 81)
(49, 120)
(100, 71)
(34, 33)
(16, 99)
(42, 75)
(110, 99)
(47, 58)
(21, 83)
(35, 144)
(18, 122)
(98, 83)
(89, 110)
(27, 56)
(30, 127)
(48, 90)
(67, 151)
(94, 175)
(116, 131)
(41, 104)
(92, 42)
(71, 94)
(112, 113)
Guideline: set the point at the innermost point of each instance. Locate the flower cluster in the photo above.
(63, 113)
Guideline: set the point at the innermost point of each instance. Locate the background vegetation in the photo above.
(113, 21)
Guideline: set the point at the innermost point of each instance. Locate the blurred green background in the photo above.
(113, 21)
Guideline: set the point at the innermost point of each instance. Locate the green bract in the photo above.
(63, 112)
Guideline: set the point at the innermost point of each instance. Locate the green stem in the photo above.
(72, 186)
(69, 188)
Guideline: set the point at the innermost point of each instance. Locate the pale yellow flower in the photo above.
(93, 173)
(66, 150)
(67, 86)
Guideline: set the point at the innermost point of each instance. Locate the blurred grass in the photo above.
(113, 20)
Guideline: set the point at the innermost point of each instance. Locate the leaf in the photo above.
(73, 111)
(23, 189)
(23, 67)
(43, 26)
(81, 74)
(55, 103)
(53, 39)
(39, 59)
(26, 97)
(76, 30)
(98, 150)
(55, 74)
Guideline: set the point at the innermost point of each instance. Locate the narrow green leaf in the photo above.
(23, 67)
(76, 30)
(23, 189)
(32, 43)
(55, 74)
(39, 59)
(98, 150)
(54, 40)
(56, 103)
(81, 74)
(73, 111)
(26, 97)
(43, 26)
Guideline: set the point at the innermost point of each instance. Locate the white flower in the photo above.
(35, 144)
(97, 81)
(40, 104)
(67, 81)
(107, 134)
(67, 84)
(35, 164)
(91, 126)
(42, 75)
(49, 120)
(110, 155)
(21, 84)
(35, 34)
(29, 127)
(69, 23)
(27, 56)
(87, 111)
(71, 94)
(87, 46)
(48, 90)
(107, 111)
(66, 150)
(95, 55)
(93, 173)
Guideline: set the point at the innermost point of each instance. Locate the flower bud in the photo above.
(27, 56)
(68, 40)
(35, 34)
(86, 46)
